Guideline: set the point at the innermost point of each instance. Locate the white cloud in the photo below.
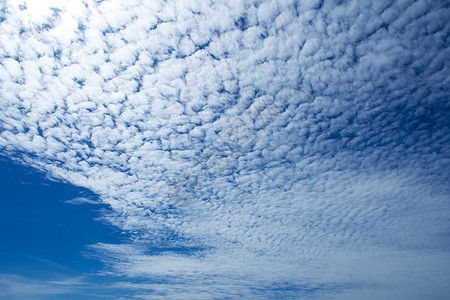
(159, 104)
(82, 200)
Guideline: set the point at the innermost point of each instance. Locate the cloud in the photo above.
(261, 143)
(17, 287)
(81, 200)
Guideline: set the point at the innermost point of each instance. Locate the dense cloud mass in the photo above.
(273, 148)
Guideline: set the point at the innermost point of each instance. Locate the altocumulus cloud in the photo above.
(249, 148)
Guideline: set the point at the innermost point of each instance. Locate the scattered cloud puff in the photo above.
(249, 148)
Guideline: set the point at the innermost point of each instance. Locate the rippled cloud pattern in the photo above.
(255, 149)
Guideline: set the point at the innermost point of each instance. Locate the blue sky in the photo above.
(226, 149)
(46, 233)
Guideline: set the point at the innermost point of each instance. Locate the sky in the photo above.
(224, 149)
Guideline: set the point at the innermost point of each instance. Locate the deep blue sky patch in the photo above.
(42, 235)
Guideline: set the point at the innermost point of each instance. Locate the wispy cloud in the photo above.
(18, 287)
(81, 200)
